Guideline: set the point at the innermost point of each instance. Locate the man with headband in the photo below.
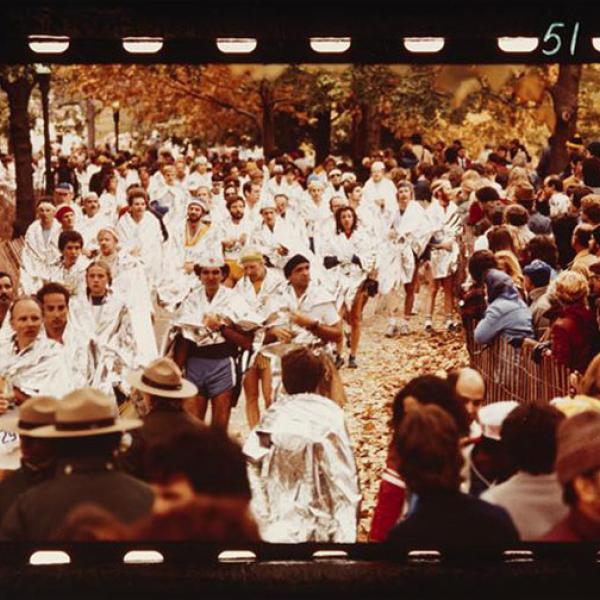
(188, 240)
(208, 330)
(41, 247)
(91, 223)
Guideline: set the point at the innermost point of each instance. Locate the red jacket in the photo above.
(574, 336)
(391, 499)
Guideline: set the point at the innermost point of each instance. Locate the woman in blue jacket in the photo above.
(506, 314)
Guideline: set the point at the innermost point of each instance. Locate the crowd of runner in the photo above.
(152, 288)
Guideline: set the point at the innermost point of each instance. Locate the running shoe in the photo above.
(391, 330)
(403, 328)
(339, 361)
(451, 325)
(428, 325)
(352, 362)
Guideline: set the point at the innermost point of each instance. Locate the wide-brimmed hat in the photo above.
(85, 412)
(162, 377)
(33, 413)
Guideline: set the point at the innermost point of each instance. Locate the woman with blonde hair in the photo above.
(574, 333)
(508, 263)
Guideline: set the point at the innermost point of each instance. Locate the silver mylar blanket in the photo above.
(303, 473)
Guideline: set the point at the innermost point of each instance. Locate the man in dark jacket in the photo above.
(37, 455)
(430, 462)
(86, 435)
(164, 390)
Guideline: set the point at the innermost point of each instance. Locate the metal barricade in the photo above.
(516, 374)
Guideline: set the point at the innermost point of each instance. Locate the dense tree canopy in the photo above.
(342, 108)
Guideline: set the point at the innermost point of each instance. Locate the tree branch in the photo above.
(283, 100)
(182, 87)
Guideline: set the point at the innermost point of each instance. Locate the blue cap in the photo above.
(539, 272)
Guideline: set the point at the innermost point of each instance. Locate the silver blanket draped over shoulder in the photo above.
(302, 472)
(231, 306)
(41, 368)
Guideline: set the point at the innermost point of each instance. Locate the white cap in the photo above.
(347, 176)
(335, 172)
(277, 169)
(211, 257)
(492, 416)
(377, 166)
(199, 202)
(268, 203)
(202, 160)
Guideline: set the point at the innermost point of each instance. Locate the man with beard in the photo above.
(7, 295)
(54, 299)
(195, 235)
(187, 242)
(234, 233)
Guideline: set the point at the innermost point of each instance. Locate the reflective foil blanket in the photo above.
(303, 473)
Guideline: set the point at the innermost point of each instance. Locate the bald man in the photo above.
(469, 386)
(30, 363)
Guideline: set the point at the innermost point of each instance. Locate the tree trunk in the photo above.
(323, 135)
(91, 123)
(268, 120)
(18, 93)
(360, 125)
(366, 132)
(565, 94)
(373, 134)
